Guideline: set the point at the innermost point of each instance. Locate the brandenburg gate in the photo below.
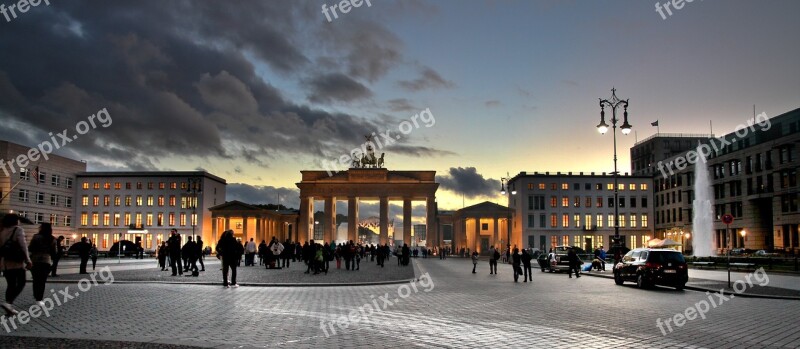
(367, 184)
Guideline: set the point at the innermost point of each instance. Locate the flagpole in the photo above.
(10, 190)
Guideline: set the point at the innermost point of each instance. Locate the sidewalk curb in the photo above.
(703, 289)
(252, 284)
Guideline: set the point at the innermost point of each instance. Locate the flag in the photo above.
(35, 174)
(654, 123)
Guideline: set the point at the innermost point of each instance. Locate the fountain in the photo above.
(703, 221)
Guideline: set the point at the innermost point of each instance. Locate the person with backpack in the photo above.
(15, 259)
(42, 248)
(494, 255)
(474, 261)
(230, 252)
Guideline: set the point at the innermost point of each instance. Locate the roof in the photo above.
(151, 174)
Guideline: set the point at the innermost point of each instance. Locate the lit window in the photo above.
(150, 200)
(117, 200)
(542, 186)
(565, 201)
(577, 219)
(149, 219)
(85, 200)
(633, 221)
(564, 186)
(643, 186)
(599, 221)
(644, 221)
(95, 219)
(565, 220)
(85, 185)
(84, 219)
(553, 220)
(106, 219)
(622, 221)
(96, 200)
(632, 186)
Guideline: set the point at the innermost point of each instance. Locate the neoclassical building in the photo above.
(248, 221)
(476, 227)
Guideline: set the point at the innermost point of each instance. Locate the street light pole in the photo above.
(195, 188)
(504, 182)
(613, 103)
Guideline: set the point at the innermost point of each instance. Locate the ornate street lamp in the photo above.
(602, 127)
(504, 181)
(194, 189)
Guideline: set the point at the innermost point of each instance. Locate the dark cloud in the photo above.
(429, 79)
(467, 181)
(179, 79)
(336, 87)
(256, 194)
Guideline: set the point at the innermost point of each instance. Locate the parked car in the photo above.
(764, 253)
(128, 249)
(562, 263)
(648, 267)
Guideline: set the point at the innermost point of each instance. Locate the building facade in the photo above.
(145, 206)
(46, 196)
(753, 177)
(578, 210)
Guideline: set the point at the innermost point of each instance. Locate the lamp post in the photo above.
(686, 236)
(602, 127)
(194, 189)
(504, 182)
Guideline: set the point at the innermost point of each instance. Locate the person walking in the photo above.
(200, 253)
(15, 260)
(308, 255)
(230, 252)
(42, 249)
(93, 255)
(494, 255)
(276, 249)
(174, 244)
(526, 265)
(574, 263)
(515, 260)
(162, 256)
(474, 261)
(191, 253)
(83, 247)
(57, 256)
(262, 252)
(250, 253)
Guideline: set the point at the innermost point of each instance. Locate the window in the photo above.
(644, 202)
(54, 219)
(67, 201)
(40, 198)
(565, 201)
(611, 221)
(68, 182)
(622, 201)
(106, 200)
(139, 200)
(610, 186)
(96, 200)
(23, 195)
(150, 185)
(139, 185)
(127, 200)
(577, 219)
(542, 221)
(643, 186)
(587, 186)
(161, 200)
(149, 221)
(588, 202)
(565, 220)
(85, 200)
(588, 221)
(611, 202)
(150, 201)
(116, 219)
(576, 186)
(553, 201)
(171, 219)
(117, 200)
(95, 219)
(107, 185)
(160, 219)
(106, 219)
(577, 202)
(138, 220)
(117, 186)
(620, 186)
(553, 220)
(622, 221)
(632, 186)
(183, 219)
(84, 219)
(96, 185)
(127, 219)
(67, 221)
(128, 185)
(162, 185)
(598, 186)
(55, 180)
(633, 202)
(599, 202)
(531, 221)
(599, 220)
(24, 174)
(85, 185)
(173, 185)
(172, 201)
(644, 221)
(42, 180)
(53, 200)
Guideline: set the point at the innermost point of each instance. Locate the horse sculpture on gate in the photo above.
(368, 160)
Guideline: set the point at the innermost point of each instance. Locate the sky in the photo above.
(256, 91)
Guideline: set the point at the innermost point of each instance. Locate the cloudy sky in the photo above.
(255, 91)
